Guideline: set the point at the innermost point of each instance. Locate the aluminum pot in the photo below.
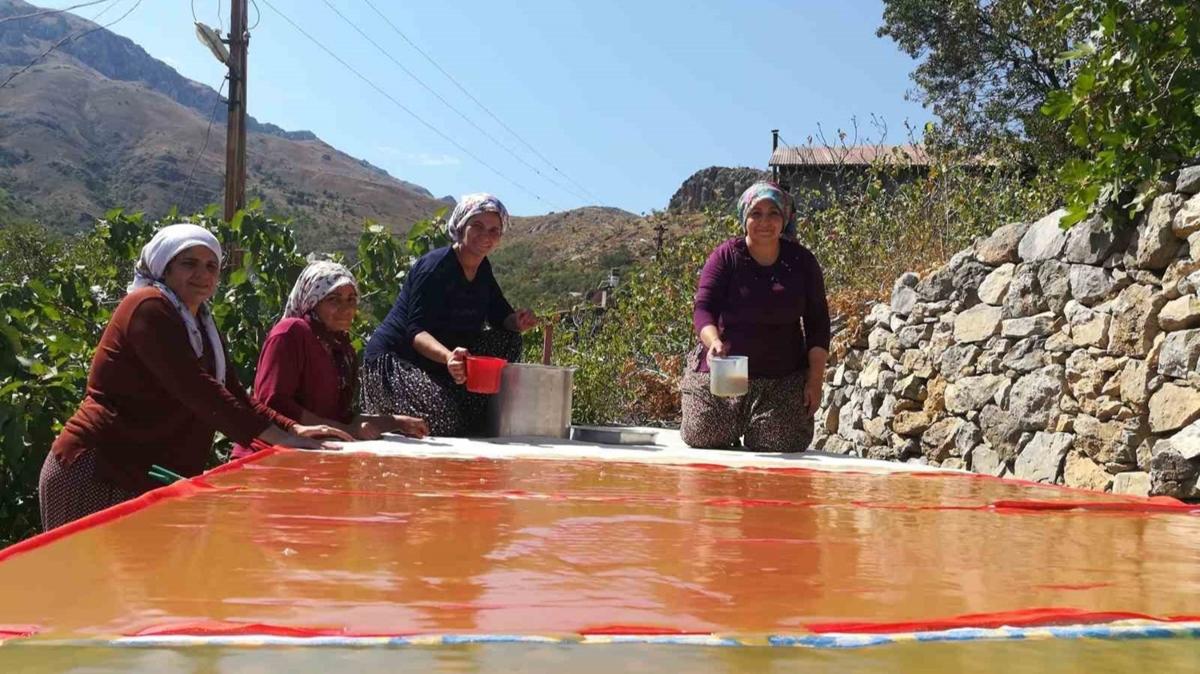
(534, 400)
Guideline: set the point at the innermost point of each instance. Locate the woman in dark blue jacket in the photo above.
(415, 363)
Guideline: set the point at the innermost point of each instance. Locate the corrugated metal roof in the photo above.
(857, 155)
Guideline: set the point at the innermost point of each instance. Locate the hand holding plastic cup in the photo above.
(729, 376)
(483, 373)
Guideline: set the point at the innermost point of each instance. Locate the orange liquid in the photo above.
(394, 545)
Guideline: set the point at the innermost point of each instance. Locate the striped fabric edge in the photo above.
(1117, 631)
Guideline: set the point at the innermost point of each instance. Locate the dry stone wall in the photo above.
(1066, 357)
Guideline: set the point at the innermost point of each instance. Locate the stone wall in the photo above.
(1065, 357)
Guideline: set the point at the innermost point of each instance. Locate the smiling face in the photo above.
(482, 234)
(764, 221)
(192, 275)
(336, 310)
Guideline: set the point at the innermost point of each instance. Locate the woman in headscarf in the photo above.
(415, 362)
(308, 369)
(160, 386)
(761, 295)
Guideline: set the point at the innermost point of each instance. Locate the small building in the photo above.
(810, 171)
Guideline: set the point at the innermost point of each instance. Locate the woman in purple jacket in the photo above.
(761, 295)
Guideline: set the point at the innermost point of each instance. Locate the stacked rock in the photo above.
(1059, 356)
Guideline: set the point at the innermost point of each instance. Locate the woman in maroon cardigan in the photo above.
(308, 369)
(762, 296)
(160, 386)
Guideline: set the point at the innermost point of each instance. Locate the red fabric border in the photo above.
(180, 489)
(1032, 617)
(620, 630)
(208, 628)
(1035, 617)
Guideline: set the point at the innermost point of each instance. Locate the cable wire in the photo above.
(448, 104)
(400, 105)
(477, 101)
(48, 12)
(72, 38)
(257, 16)
(187, 188)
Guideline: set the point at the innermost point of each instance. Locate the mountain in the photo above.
(100, 123)
(714, 186)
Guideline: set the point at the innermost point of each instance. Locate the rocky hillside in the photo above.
(100, 123)
(1059, 357)
(715, 185)
(552, 260)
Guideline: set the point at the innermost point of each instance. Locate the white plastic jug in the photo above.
(729, 376)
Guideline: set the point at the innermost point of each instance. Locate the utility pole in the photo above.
(235, 132)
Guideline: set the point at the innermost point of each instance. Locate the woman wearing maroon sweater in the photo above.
(762, 296)
(308, 369)
(158, 389)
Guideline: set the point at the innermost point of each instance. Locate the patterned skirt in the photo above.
(770, 417)
(68, 493)
(392, 385)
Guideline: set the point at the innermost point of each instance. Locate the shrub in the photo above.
(52, 316)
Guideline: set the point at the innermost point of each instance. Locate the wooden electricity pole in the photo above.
(235, 133)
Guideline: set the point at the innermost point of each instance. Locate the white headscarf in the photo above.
(470, 205)
(316, 282)
(152, 264)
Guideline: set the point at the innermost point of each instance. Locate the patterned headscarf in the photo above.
(468, 207)
(768, 190)
(315, 283)
(152, 264)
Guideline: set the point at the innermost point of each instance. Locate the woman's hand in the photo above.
(521, 320)
(300, 442)
(411, 426)
(319, 431)
(812, 394)
(367, 430)
(717, 348)
(456, 364)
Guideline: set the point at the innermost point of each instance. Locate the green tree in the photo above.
(986, 66)
(1133, 105)
(53, 313)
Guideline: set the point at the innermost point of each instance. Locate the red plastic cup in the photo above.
(483, 373)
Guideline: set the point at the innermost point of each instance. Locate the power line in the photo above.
(195, 19)
(477, 102)
(400, 105)
(257, 16)
(47, 12)
(73, 37)
(468, 120)
(187, 193)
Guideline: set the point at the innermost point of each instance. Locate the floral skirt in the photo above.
(68, 493)
(392, 385)
(769, 417)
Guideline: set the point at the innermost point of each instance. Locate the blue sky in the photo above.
(625, 98)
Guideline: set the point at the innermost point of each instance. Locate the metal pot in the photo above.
(534, 400)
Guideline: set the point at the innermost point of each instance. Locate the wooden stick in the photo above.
(547, 340)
